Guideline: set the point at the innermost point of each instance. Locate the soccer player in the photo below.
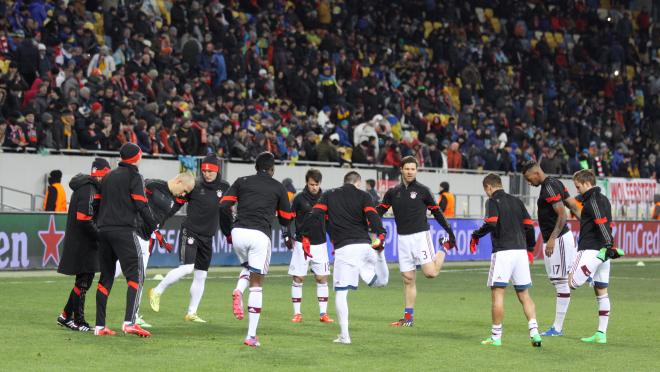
(556, 234)
(122, 199)
(302, 205)
(410, 200)
(260, 197)
(197, 232)
(512, 234)
(80, 256)
(350, 214)
(595, 248)
(165, 198)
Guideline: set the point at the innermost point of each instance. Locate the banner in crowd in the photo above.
(36, 240)
(626, 191)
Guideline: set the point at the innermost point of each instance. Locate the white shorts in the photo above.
(352, 262)
(510, 265)
(320, 263)
(558, 265)
(415, 249)
(252, 248)
(587, 267)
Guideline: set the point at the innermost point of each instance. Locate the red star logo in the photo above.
(51, 240)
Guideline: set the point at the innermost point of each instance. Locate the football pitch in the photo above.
(452, 316)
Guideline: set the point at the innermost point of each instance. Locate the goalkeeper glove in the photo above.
(473, 244)
(228, 239)
(161, 241)
(288, 242)
(530, 257)
(306, 246)
(446, 243)
(378, 242)
(610, 253)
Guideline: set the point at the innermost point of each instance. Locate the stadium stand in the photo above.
(458, 84)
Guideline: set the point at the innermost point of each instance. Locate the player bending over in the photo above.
(559, 242)
(259, 198)
(302, 205)
(410, 200)
(197, 232)
(80, 256)
(512, 234)
(595, 248)
(350, 214)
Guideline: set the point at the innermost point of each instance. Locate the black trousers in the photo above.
(119, 245)
(75, 306)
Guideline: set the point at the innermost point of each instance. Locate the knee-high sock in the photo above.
(173, 276)
(71, 305)
(603, 312)
(196, 290)
(243, 280)
(563, 300)
(382, 271)
(322, 294)
(254, 310)
(296, 296)
(341, 303)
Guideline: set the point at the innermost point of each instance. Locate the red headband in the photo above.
(210, 167)
(100, 172)
(134, 159)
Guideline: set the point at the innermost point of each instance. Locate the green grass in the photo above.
(451, 316)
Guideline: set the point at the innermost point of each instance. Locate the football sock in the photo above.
(341, 303)
(496, 332)
(196, 290)
(408, 313)
(533, 327)
(563, 300)
(296, 296)
(173, 276)
(603, 312)
(243, 280)
(254, 310)
(382, 271)
(71, 303)
(322, 295)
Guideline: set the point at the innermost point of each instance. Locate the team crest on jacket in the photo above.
(413, 195)
(219, 193)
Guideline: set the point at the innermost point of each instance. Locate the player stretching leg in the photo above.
(559, 242)
(351, 214)
(513, 239)
(302, 204)
(410, 201)
(123, 198)
(80, 256)
(259, 197)
(197, 232)
(165, 198)
(595, 248)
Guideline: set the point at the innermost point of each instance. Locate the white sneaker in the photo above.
(342, 340)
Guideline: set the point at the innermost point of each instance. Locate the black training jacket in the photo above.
(302, 206)
(595, 221)
(350, 214)
(203, 214)
(508, 223)
(260, 197)
(553, 191)
(410, 205)
(122, 199)
(162, 203)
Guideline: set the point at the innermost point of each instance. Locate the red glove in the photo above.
(379, 243)
(228, 239)
(306, 247)
(161, 241)
(473, 244)
(530, 257)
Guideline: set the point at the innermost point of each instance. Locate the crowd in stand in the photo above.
(460, 84)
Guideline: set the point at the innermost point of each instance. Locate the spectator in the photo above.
(447, 201)
(55, 198)
(454, 157)
(371, 189)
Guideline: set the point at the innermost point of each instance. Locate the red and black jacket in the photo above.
(595, 221)
(302, 206)
(410, 204)
(508, 223)
(350, 214)
(553, 191)
(122, 199)
(204, 214)
(162, 203)
(260, 197)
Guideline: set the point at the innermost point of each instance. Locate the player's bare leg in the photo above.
(322, 294)
(296, 297)
(530, 312)
(255, 301)
(497, 315)
(409, 297)
(432, 269)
